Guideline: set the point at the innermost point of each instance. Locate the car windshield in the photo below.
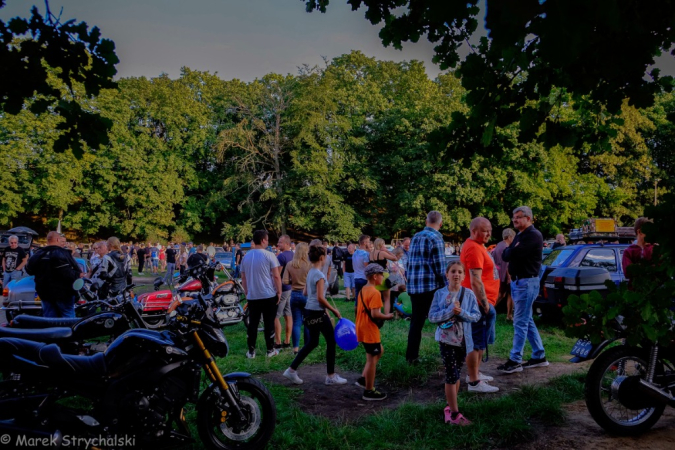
(223, 255)
(557, 257)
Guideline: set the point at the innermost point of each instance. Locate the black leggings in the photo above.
(268, 308)
(141, 262)
(318, 323)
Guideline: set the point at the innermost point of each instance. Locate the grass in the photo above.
(497, 422)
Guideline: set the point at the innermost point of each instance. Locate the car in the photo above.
(224, 258)
(20, 294)
(603, 256)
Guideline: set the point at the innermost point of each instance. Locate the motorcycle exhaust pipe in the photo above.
(14, 436)
(656, 393)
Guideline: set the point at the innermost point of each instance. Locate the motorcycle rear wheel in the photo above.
(604, 406)
(258, 406)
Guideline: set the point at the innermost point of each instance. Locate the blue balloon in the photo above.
(345, 334)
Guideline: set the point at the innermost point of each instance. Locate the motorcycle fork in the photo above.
(214, 374)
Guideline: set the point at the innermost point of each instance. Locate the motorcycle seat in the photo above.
(49, 355)
(28, 321)
(39, 335)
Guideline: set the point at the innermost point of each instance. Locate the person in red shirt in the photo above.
(484, 282)
(641, 250)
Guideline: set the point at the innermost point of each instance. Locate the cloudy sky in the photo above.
(243, 39)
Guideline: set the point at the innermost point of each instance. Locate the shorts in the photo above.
(372, 349)
(484, 335)
(453, 358)
(284, 306)
(155, 262)
(349, 280)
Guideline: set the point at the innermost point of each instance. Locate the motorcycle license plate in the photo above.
(582, 348)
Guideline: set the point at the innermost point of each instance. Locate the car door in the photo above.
(605, 258)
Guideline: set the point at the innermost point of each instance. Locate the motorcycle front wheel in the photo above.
(219, 426)
(628, 416)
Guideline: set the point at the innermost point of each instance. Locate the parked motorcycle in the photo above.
(627, 388)
(137, 390)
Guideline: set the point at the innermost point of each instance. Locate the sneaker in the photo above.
(481, 377)
(373, 395)
(483, 387)
(448, 414)
(278, 346)
(273, 352)
(459, 420)
(510, 367)
(533, 362)
(335, 379)
(141, 273)
(361, 382)
(250, 354)
(286, 345)
(293, 376)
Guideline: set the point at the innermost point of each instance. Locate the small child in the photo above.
(454, 308)
(369, 304)
(316, 320)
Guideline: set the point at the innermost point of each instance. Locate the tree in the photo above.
(599, 53)
(80, 55)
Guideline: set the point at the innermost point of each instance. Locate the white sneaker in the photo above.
(250, 355)
(335, 379)
(273, 352)
(483, 387)
(481, 377)
(293, 376)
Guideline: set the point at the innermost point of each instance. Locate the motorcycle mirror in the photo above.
(78, 284)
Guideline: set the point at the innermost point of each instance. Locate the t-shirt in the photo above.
(211, 251)
(284, 258)
(501, 264)
(366, 330)
(239, 256)
(171, 256)
(476, 256)
(154, 253)
(257, 266)
(13, 258)
(196, 259)
(359, 259)
(349, 266)
(313, 278)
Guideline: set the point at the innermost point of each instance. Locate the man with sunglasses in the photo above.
(524, 258)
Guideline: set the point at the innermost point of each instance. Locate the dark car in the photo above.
(553, 296)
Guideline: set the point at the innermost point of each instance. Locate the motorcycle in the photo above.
(137, 390)
(627, 387)
(227, 296)
(74, 336)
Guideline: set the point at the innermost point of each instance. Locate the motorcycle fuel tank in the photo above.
(137, 348)
(155, 301)
(190, 286)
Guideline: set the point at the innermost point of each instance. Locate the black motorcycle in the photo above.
(137, 390)
(627, 387)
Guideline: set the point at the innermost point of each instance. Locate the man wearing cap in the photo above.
(524, 258)
(426, 274)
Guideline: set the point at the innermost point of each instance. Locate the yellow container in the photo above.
(605, 225)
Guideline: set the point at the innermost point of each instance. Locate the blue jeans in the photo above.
(170, 268)
(298, 302)
(58, 309)
(524, 292)
(10, 276)
(359, 283)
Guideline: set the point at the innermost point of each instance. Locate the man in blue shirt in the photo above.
(360, 260)
(426, 274)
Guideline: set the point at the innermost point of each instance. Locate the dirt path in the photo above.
(581, 432)
(346, 404)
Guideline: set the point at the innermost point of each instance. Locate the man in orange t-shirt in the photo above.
(484, 282)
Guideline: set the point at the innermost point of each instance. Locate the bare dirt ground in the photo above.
(346, 404)
(578, 432)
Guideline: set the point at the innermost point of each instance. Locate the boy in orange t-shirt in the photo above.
(369, 305)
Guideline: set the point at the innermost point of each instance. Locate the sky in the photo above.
(243, 39)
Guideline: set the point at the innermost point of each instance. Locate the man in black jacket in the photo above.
(55, 270)
(524, 258)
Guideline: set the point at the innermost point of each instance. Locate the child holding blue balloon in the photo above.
(454, 308)
(368, 313)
